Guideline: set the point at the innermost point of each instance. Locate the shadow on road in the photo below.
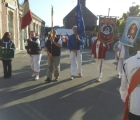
(97, 103)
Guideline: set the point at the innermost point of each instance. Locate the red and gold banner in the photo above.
(107, 29)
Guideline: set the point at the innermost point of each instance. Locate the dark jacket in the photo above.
(34, 46)
(74, 44)
(8, 44)
(52, 48)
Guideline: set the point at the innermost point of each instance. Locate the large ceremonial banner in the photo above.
(131, 31)
(107, 29)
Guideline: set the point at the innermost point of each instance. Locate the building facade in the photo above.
(10, 20)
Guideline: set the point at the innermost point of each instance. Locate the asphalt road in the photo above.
(23, 98)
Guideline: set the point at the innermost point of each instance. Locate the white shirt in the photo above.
(121, 47)
(37, 41)
(97, 47)
(131, 66)
(60, 42)
(93, 39)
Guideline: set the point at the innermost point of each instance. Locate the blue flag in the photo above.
(79, 20)
(131, 31)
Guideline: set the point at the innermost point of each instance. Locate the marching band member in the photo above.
(34, 49)
(53, 49)
(130, 87)
(75, 43)
(117, 55)
(7, 43)
(124, 54)
(99, 52)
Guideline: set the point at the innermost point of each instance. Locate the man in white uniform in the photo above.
(130, 87)
(124, 55)
(93, 39)
(75, 43)
(117, 49)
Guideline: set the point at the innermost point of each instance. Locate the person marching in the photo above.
(99, 53)
(75, 43)
(94, 37)
(53, 49)
(117, 55)
(7, 43)
(130, 87)
(123, 55)
(34, 49)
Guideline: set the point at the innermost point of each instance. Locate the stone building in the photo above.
(90, 19)
(10, 20)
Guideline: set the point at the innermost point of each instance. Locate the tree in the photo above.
(134, 11)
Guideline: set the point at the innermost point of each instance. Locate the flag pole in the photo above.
(108, 11)
(51, 36)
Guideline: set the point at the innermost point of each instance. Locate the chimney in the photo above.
(83, 3)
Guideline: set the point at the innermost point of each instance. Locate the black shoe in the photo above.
(48, 80)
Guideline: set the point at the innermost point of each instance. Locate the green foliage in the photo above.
(134, 10)
(96, 29)
(120, 26)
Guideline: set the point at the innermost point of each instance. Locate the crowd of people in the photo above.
(128, 67)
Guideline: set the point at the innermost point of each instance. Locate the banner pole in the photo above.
(108, 11)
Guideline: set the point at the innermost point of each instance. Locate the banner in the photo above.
(6, 53)
(27, 15)
(107, 29)
(79, 20)
(131, 31)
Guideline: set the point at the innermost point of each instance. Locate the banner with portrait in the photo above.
(131, 31)
(107, 29)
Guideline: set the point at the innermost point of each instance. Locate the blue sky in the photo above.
(42, 8)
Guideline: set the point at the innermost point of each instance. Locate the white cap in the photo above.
(75, 26)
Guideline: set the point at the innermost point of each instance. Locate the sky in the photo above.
(42, 8)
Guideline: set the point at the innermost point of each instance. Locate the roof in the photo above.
(88, 16)
(84, 9)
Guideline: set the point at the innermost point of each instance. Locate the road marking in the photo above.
(106, 91)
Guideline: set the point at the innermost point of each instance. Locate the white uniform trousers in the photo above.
(120, 65)
(99, 63)
(35, 62)
(75, 60)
